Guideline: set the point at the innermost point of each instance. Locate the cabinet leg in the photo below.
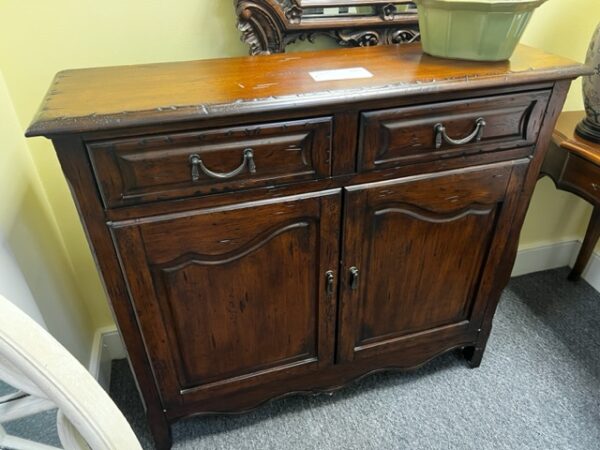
(589, 243)
(473, 355)
(161, 430)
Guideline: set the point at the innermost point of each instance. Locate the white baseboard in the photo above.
(108, 345)
(545, 257)
(592, 272)
(553, 256)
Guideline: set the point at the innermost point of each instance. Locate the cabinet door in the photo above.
(234, 296)
(415, 251)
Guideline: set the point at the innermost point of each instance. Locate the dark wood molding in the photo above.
(268, 26)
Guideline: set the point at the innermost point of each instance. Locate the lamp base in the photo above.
(588, 130)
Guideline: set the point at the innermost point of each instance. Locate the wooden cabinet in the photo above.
(260, 233)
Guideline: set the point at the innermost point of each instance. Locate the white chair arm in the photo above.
(59, 377)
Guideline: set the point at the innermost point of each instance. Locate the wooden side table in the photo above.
(573, 163)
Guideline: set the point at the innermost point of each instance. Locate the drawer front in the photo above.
(582, 177)
(151, 168)
(400, 136)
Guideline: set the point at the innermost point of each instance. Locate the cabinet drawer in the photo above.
(401, 136)
(157, 167)
(583, 177)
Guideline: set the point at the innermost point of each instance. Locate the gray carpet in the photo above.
(538, 388)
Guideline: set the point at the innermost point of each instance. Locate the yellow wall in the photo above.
(564, 28)
(37, 39)
(82, 33)
(30, 242)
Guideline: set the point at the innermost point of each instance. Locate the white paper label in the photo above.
(351, 73)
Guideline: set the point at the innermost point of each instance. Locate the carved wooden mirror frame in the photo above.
(268, 26)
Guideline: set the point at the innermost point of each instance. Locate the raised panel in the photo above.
(236, 294)
(236, 314)
(423, 246)
(422, 269)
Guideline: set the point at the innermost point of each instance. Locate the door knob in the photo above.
(353, 278)
(329, 278)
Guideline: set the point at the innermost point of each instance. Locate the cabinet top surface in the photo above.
(565, 136)
(106, 98)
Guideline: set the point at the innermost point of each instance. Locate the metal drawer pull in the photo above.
(476, 135)
(353, 278)
(329, 278)
(196, 163)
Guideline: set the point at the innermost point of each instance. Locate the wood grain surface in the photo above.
(564, 135)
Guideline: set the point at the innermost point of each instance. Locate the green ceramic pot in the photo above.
(480, 30)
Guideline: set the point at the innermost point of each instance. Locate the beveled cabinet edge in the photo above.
(429, 175)
(187, 113)
(338, 111)
(228, 207)
(528, 65)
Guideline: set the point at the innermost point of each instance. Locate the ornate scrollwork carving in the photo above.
(268, 26)
(388, 11)
(259, 27)
(361, 38)
(365, 38)
(402, 36)
(294, 14)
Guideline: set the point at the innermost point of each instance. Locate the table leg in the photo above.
(589, 243)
